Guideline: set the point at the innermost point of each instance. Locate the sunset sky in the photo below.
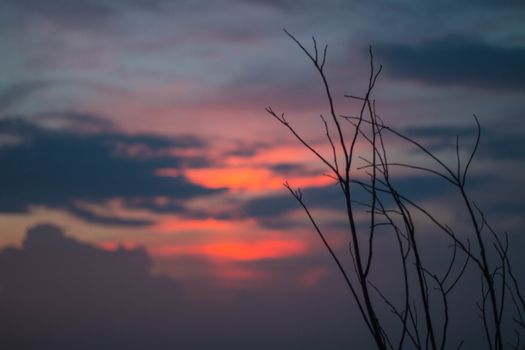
(139, 127)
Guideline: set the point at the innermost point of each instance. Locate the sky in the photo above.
(135, 147)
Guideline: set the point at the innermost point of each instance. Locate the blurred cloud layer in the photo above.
(58, 292)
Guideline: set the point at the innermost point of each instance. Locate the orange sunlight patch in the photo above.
(174, 225)
(114, 246)
(237, 250)
(257, 251)
(233, 178)
(246, 178)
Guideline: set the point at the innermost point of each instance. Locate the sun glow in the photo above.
(249, 179)
(177, 225)
(237, 251)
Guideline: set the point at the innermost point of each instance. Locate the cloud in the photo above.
(60, 293)
(56, 291)
(102, 219)
(282, 203)
(331, 197)
(283, 5)
(59, 167)
(74, 121)
(456, 60)
(273, 211)
(18, 92)
(84, 12)
(502, 142)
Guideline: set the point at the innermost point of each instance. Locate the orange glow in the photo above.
(234, 178)
(113, 246)
(246, 178)
(248, 251)
(281, 154)
(174, 225)
(238, 251)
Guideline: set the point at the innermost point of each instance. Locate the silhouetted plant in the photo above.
(426, 290)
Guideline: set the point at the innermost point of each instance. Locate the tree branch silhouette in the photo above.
(423, 307)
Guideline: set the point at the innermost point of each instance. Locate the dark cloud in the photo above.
(502, 142)
(247, 149)
(60, 293)
(64, 7)
(442, 131)
(102, 219)
(271, 211)
(442, 137)
(57, 291)
(83, 10)
(456, 61)
(281, 204)
(512, 4)
(18, 92)
(503, 146)
(331, 197)
(74, 14)
(293, 169)
(74, 121)
(288, 168)
(90, 14)
(280, 5)
(57, 168)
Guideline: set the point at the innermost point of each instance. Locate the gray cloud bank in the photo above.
(57, 168)
(457, 61)
(59, 293)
